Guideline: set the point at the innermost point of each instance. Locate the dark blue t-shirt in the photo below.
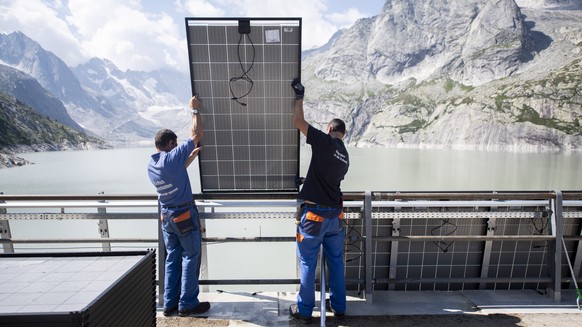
(167, 171)
(329, 164)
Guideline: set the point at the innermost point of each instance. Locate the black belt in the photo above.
(317, 206)
(185, 204)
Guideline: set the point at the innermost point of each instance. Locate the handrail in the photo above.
(380, 207)
(348, 196)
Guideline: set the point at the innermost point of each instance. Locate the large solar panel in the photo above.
(241, 68)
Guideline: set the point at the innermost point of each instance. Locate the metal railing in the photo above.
(394, 240)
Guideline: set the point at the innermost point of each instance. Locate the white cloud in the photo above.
(319, 28)
(347, 18)
(124, 33)
(146, 35)
(201, 8)
(41, 22)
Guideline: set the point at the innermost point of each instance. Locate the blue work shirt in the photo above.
(329, 164)
(167, 171)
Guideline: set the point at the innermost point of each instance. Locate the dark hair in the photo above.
(164, 136)
(337, 125)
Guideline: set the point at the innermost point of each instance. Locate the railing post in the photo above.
(161, 260)
(369, 267)
(104, 228)
(578, 259)
(394, 253)
(5, 231)
(555, 248)
(203, 256)
(322, 306)
(486, 260)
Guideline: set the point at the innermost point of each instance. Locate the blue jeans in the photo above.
(321, 226)
(183, 240)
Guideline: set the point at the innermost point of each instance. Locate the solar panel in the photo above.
(241, 68)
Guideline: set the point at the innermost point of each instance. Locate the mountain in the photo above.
(562, 4)
(27, 90)
(114, 105)
(23, 129)
(20, 52)
(484, 74)
(152, 99)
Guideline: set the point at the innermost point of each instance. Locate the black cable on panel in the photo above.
(444, 246)
(244, 77)
(352, 240)
(540, 226)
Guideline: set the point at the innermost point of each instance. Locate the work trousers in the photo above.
(183, 240)
(321, 225)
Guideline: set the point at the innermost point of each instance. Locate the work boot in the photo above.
(330, 309)
(169, 311)
(200, 308)
(294, 313)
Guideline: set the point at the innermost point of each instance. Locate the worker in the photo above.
(321, 212)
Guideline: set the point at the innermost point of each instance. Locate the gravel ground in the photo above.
(457, 320)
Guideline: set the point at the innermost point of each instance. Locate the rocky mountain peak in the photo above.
(410, 39)
(483, 74)
(455, 74)
(556, 4)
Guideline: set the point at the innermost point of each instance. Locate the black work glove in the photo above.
(298, 88)
(299, 181)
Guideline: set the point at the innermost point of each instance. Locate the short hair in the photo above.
(164, 136)
(337, 125)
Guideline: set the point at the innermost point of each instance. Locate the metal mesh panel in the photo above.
(402, 263)
(517, 259)
(354, 250)
(439, 259)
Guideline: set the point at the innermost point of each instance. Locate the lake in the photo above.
(123, 171)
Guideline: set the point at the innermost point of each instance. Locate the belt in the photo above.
(185, 204)
(317, 206)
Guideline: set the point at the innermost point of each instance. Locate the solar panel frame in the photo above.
(252, 147)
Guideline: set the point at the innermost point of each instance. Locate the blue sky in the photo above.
(148, 34)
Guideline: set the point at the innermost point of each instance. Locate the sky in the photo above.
(146, 35)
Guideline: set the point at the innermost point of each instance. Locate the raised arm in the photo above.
(197, 129)
(298, 116)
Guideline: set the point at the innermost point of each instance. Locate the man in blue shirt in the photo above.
(321, 216)
(179, 215)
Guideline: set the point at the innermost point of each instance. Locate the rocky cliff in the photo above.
(117, 106)
(24, 130)
(486, 74)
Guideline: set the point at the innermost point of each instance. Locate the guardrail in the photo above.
(394, 240)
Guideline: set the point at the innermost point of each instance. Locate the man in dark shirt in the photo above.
(180, 221)
(321, 212)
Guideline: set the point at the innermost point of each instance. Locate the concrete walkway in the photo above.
(271, 308)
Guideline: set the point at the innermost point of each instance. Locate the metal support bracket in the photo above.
(485, 262)
(368, 293)
(104, 229)
(555, 247)
(5, 232)
(394, 253)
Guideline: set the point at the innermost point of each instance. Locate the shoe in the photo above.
(294, 313)
(169, 311)
(200, 308)
(330, 309)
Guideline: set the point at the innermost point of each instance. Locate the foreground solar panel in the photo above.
(78, 289)
(241, 68)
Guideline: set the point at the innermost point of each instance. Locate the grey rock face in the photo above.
(455, 74)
